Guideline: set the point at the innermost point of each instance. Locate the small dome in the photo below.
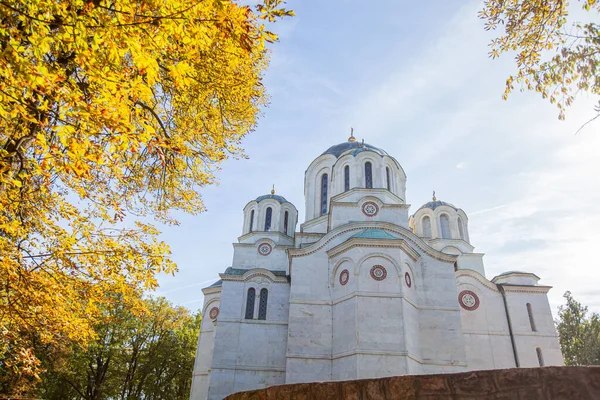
(340, 149)
(437, 203)
(276, 197)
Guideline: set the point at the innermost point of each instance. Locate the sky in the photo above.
(415, 79)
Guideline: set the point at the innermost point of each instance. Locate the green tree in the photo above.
(137, 355)
(555, 58)
(579, 334)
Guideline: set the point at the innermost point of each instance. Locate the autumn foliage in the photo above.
(112, 115)
(555, 58)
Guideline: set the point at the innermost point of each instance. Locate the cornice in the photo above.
(211, 290)
(367, 192)
(381, 243)
(408, 236)
(478, 277)
(252, 273)
(313, 222)
(259, 233)
(455, 242)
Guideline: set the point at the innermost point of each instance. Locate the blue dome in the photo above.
(434, 204)
(276, 197)
(341, 148)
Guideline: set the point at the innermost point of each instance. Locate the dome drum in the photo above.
(346, 166)
(270, 213)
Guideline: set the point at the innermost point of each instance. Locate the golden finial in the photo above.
(352, 138)
(434, 198)
(273, 190)
(363, 144)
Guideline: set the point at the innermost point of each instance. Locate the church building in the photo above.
(362, 289)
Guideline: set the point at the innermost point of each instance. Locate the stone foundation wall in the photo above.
(548, 383)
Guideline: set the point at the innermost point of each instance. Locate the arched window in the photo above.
(387, 178)
(262, 306)
(268, 219)
(251, 220)
(461, 232)
(540, 356)
(285, 222)
(531, 321)
(368, 175)
(426, 227)
(346, 178)
(324, 194)
(250, 303)
(445, 225)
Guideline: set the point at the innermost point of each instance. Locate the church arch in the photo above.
(346, 262)
(209, 303)
(461, 232)
(388, 258)
(411, 272)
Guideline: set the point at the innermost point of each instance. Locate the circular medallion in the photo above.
(378, 272)
(213, 313)
(370, 209)
(407, 279)
(344, 276)
(468, 300)
(264, 249)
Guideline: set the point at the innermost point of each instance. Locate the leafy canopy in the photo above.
(112, 114)
(579, 334)
(553, 58)
(148, 355)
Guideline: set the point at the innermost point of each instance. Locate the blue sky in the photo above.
(415, 79)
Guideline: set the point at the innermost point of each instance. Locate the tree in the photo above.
(579, 335)
(112, 116)
(554, 59)
(135, 356)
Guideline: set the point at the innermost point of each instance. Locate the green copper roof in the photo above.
(374, 234)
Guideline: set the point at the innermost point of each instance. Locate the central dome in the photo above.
(355, 147)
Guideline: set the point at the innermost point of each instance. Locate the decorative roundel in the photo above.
(213, 313)
(370, 209)
(264, 249)
(378, 272)
(468, 300)
(407, 279)
(344, 276)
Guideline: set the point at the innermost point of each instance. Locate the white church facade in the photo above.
(362, 289)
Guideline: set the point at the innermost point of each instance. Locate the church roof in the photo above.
(276, 197)
(374, 234)
(217, 283)
(358, 147)
(436, 203)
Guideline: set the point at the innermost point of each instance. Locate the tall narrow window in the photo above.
(461, 233)
(268, 219)
(285, 222)
(531, 321)
(445, 225)
(250, 303)
(251, 220)
(262, 307)
(346, 178)
(426, 227)
(387, 178)
(368, 176)
(540, 356)
(324, 194)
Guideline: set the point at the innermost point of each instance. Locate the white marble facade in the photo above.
(362, 290)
